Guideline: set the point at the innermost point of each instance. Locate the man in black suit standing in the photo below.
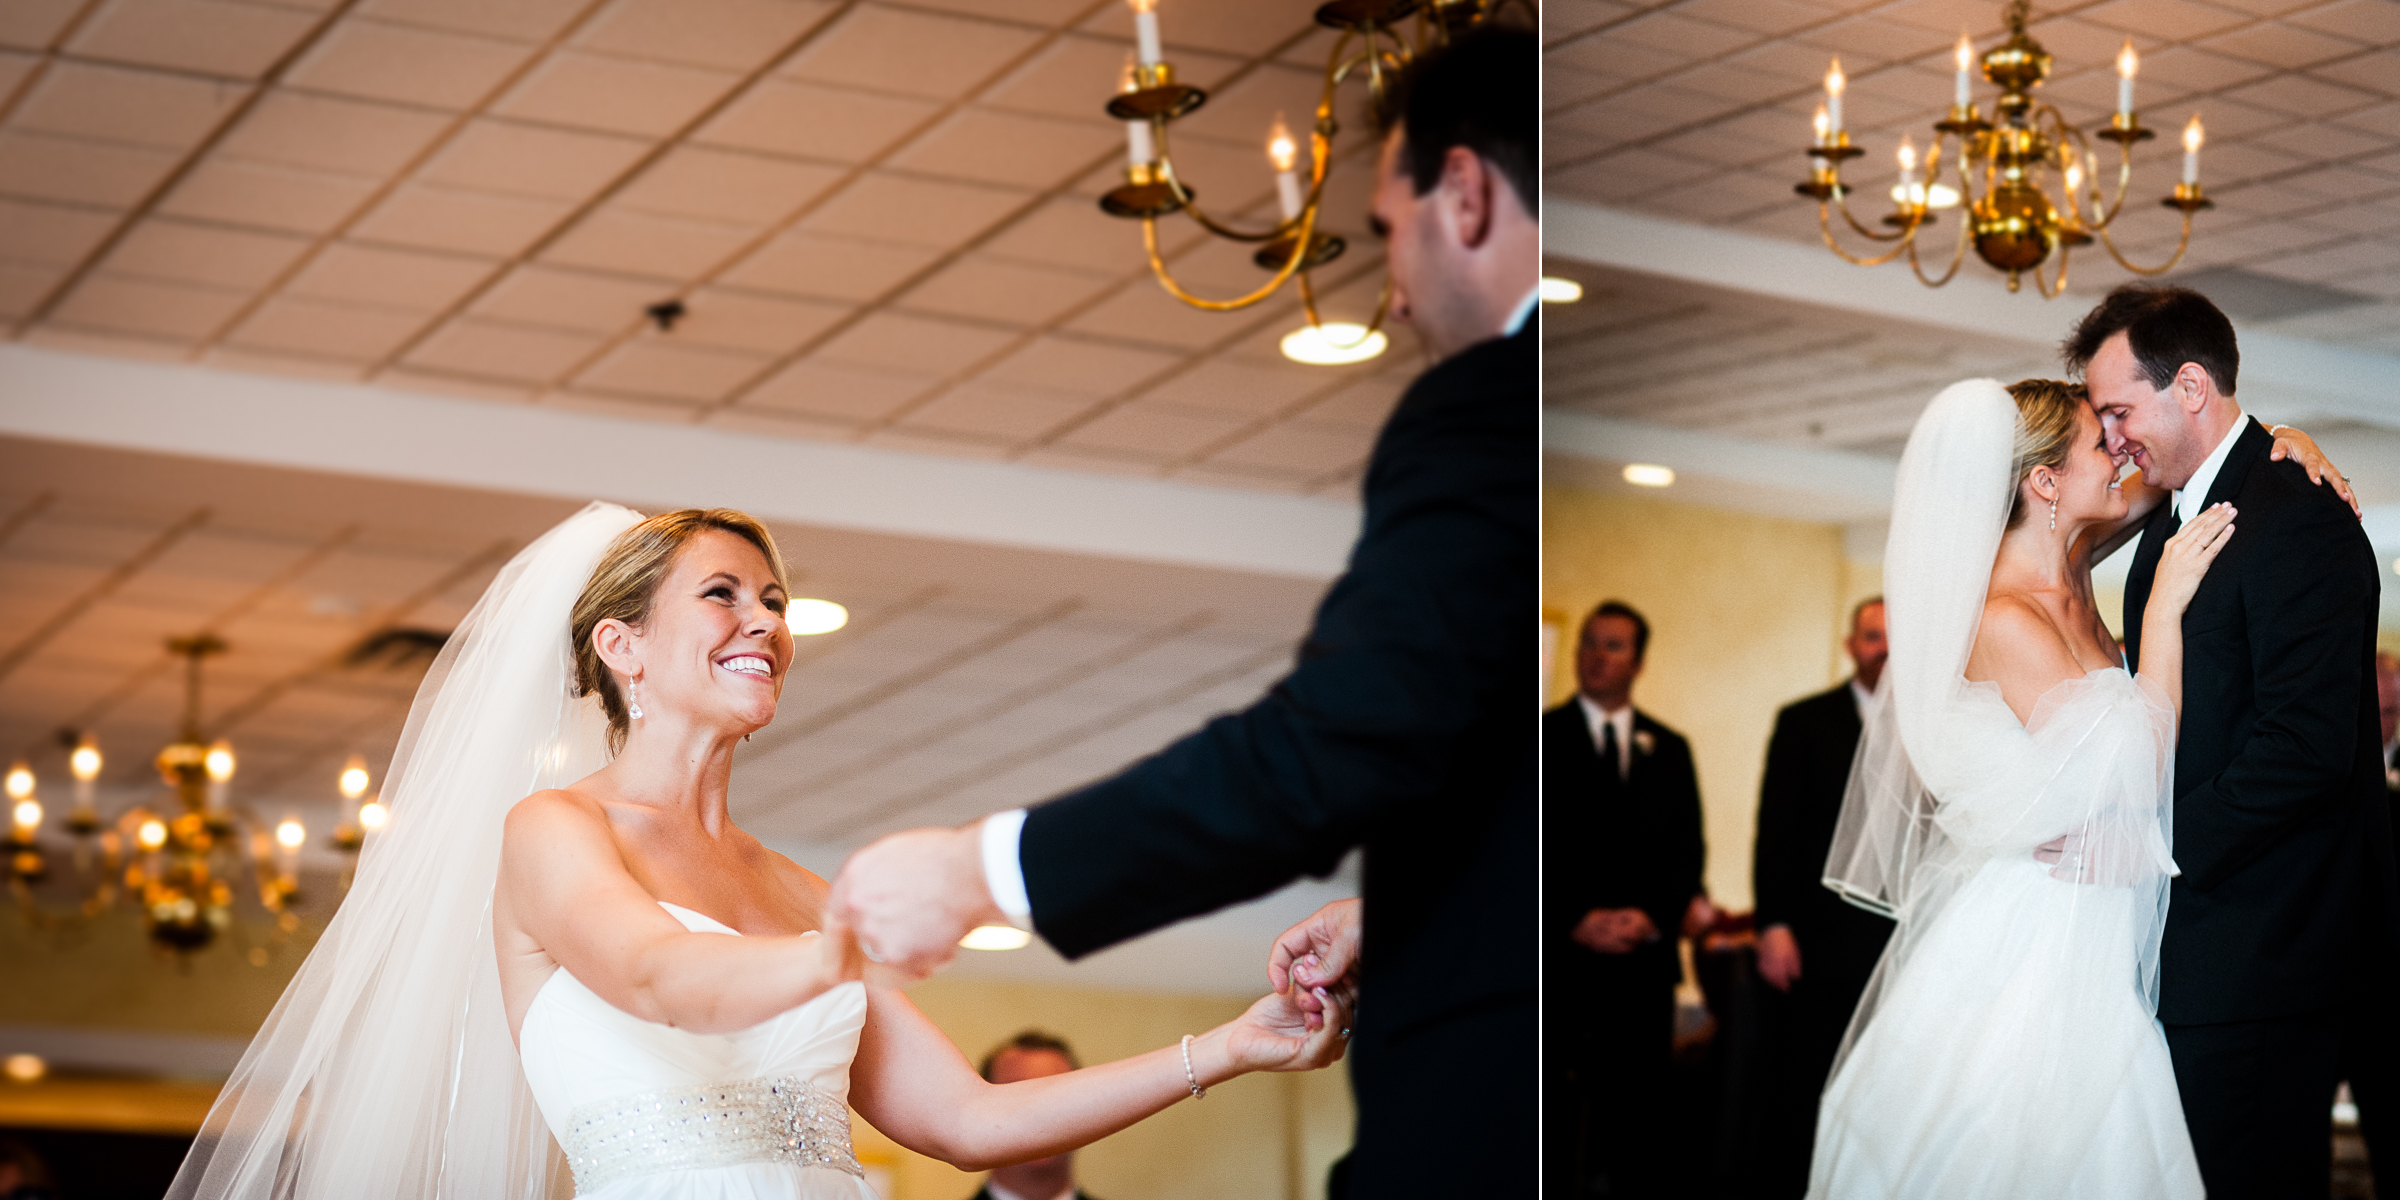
(1401, 727)
(2287, 896)
(2370, 1047)
(1814, 949)
(1031, 1055)
(1622, 851)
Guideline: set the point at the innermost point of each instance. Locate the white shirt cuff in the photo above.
(1003, 875)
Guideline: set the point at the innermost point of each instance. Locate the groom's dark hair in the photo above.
(2165, 327)
(1481, 91)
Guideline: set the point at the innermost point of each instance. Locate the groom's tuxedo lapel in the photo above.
(2248, 451)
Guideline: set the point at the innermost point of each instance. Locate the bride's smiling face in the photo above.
(2087, 480)
(714, 648)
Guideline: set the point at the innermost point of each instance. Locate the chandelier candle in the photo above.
(1962, 94)
(2127, 63)
(1145, 31)
(1285, 154)
(1834, 83)
(2191, 152)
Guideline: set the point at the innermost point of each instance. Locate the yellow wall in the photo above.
(1746, 615)
(1269, 1137)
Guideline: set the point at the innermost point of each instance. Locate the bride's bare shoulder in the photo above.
(554, 818)
(2017, 637)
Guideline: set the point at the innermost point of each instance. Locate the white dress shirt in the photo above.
(1869, 699)
(2193, 494)
(1523, 312)
(1620, 720)
(1001, 1193)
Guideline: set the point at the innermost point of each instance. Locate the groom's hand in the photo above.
(912, 895)
(1318, 953)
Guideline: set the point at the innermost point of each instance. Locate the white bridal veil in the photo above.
(386, 1069)
(1946, 780)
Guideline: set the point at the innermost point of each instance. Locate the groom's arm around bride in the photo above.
(2285, 849)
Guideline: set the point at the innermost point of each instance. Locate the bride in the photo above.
(561, 871)
(2011, 805)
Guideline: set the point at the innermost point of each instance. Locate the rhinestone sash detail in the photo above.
(782, 1120)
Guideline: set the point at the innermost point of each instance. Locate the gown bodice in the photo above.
(648, 1110)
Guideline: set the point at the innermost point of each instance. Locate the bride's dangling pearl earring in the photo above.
(2053, 518)
(633, 687)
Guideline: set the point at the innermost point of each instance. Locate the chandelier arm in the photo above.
(2182, 244)
(2092, 212)
(1191, 208)
(1166, 278)
(1958, 255)
(1906, 232)
(2124, 183)
(1825, 227)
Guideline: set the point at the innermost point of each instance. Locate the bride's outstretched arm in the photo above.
(910, 1082)
(564, 886)
(2181, 565)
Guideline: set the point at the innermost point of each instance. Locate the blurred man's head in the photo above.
(1609, 655)
(1457, 187)
(1032, 1055)
(2387, 694)
(1866, 646)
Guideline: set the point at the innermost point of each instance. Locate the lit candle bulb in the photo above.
(2127, 63)
(1908, 168)
(85, 763)
(1964, 82)
(1145, 30)
(220, 764)
(2192, 137)
(1140, 149)
(354, 778)
(27, 816)
(1285, 154)
(1835, 81)
(2074, 181)
(1822, 126)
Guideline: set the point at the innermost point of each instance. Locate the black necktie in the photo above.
(1608, 748)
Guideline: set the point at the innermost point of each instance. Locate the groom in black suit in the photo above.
(1401, 727)
(1622, 854)
(2287, 897)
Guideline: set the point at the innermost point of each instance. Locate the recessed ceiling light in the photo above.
(1648, 475)
(814, 616)
(995, 937)
(1560, 291)
(1333, 343)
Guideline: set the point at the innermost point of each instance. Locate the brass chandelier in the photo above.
(2002, 171)
(180, 865)
(1377, 38)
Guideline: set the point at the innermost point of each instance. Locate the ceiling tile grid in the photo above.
(483, 200)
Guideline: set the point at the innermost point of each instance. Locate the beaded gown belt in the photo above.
(781, 1120)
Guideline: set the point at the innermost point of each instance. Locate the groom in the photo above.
(2281, 831)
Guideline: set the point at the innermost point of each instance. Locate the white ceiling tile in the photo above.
(995, 410)
(306, 363)
(378, 60)
(1240, 389)
(145, 306)
(900, 343)
(992, 146)
(517, 20)
(614, 95)
(836, 268)
(529, 160)
(1074, 77)
(124, 105)
(234, 192)
(726, 185)
(459, 219)
(752, 321)
(782, 116)
(209, 255)
(533, 294)
(2366, 21)
(443, 383)
(146, 348)
(656, 366)
(1071, 233)
(1143, 311)
(1226, 26)
(1366, 404)
(1269, 479)
(911, 211)
(2377, 72)
(1033, 12)
(357, 137)
(15, 65)
(835, 391)
(1153, 430)
(2299, 96)
(79, 172)
(2283, 45)
(1019, 293)
(909, 53)
(1066, 457)
(1085, 368)
(50, 234)
(35, 24)
(417, 280)
(23, 285)
(471, 346)
(729, 35)
(326, 329)
(613, 239)
(209, 37)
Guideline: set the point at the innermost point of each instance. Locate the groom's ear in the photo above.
(2192, 387)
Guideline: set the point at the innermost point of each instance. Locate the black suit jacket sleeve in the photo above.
(1779, 878)
(1684, 848)
(1416, 651)
(2306, 646)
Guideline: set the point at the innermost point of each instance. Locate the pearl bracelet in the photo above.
(1198, 1092)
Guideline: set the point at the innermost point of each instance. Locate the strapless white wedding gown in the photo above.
(648, 1112)
(2008, 1050)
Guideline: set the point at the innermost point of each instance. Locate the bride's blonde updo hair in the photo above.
(2046, 420)
(626, 582)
